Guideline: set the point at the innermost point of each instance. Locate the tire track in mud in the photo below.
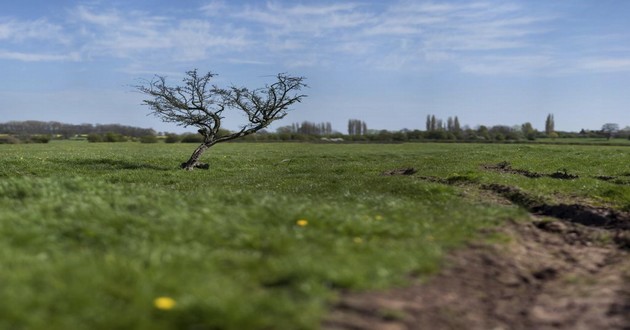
(567, 268)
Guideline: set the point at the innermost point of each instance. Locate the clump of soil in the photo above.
(400, 171)
(505, 167)
(563, 175)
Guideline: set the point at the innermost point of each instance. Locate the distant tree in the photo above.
(550, 125)
(199, 104)
(483, 132)
(439, 125)
(528, 131)
(428, 123)
(609, 129)
(456, 127)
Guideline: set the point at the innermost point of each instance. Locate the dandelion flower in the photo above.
(164, 303)
(302, 222)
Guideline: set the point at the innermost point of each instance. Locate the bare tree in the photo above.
(199, 104)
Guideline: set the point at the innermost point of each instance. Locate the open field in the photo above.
(269, 237)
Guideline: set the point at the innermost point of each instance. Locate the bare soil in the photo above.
(567, 268)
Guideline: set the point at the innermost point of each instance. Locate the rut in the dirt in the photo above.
(506, 167)
(537, 281)
(615, 223)
(566, 269)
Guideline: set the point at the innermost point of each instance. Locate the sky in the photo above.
(388, 63)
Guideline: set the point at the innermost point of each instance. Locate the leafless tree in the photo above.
(199, 104)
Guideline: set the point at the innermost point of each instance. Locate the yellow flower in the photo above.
(302, 222)
(164, 303)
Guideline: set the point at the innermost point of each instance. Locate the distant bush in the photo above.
(148, 139)
(172, 138)
(93, 137)
(108, 137)
(8, 139)
(40, 138)
(192, 138)
(114, 137)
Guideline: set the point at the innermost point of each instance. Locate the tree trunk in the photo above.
(194, 158)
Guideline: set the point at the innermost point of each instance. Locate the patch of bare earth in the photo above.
(568, 268)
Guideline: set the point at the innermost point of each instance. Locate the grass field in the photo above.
(92, 234)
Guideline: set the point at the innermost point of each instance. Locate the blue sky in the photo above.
(389, 63)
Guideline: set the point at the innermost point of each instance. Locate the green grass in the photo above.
(91, 234)
(585, 141)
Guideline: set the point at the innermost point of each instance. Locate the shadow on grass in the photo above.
(112, 164)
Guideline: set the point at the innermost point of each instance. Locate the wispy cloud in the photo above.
(13, 30)
(315, 20)
(136, 34)
(303, 35)
(404, 35)
(477, 36)
(611, 64)
(461, 34)
(38, 57)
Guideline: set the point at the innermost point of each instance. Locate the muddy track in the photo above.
(567, 268)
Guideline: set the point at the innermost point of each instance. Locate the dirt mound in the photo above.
(400, 171)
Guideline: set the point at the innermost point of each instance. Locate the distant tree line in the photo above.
(62, 130)
(307, 128)
(357, 127)
(436, 130)
(434, 124)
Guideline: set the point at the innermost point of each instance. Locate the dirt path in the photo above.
(568, 268)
